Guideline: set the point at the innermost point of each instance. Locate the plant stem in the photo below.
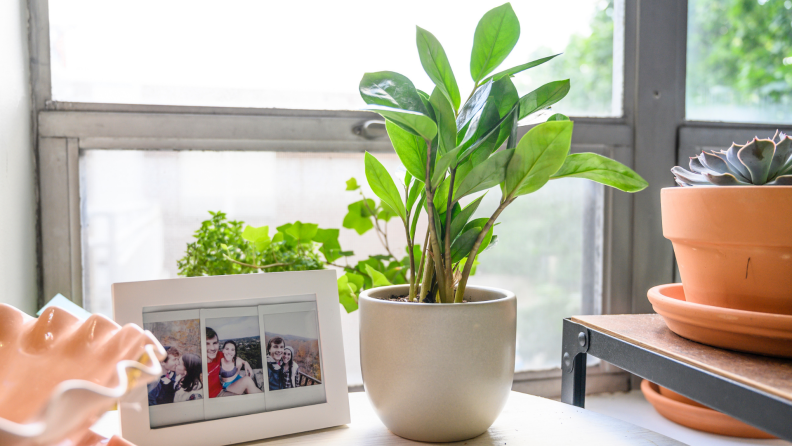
(447, 252)
(254, 266)
(380, 232)
(426, 284)
(460, 291)
(436, 253)
(423, 261)
(412, 259)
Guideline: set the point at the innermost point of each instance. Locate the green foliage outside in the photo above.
(740, 50)
(588, 62)
(222, 247)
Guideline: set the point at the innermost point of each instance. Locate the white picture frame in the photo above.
(307, 292)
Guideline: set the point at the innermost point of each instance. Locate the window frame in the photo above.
(651, 136)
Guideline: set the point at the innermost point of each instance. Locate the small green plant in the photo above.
(378, 270)
(757, 162)
(222, 247)
(452, 149)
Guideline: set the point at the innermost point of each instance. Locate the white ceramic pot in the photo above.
(438, 372)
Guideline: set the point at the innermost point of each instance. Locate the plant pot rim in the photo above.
(743, 187)
(505, 295)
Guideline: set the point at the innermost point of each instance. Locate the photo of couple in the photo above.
(233, 356)
(182, 368)
(292, 364)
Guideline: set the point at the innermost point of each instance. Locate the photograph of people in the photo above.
(230, 374)
(283, 362)
(290, 369)
(163, 391)
(182, 342)
(189, 387)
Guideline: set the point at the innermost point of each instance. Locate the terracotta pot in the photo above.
(733, 245)
(697, 416)
(438, 372)
(60, 375)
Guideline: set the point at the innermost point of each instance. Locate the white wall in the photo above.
(17, 191)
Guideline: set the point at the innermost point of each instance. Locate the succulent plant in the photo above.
(758, 162)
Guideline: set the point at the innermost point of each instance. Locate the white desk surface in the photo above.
(526, 420)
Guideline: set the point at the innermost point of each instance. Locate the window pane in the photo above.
(739, 61)
(306, 55)
(140, 209)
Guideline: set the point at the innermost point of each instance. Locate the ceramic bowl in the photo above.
(59, 374)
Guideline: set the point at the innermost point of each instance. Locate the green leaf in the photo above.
(480, 131)
(460, 220)
(441, 196)
(383, 186)
(464, 243)
(330, 248)
(420, 206)
(496, 34)
(412, 196)
(414, 122)
(539, 154)
(602, 170)
(435, 63)
(386, 212)
(446, 124)
(473, 105)
(258, 236)
(302, 232)
(543, 97)
(449, 160)
(488, 174)
(485, 139)
(514, 70)
(359, 216)
(391, 90)
(352, 184)
(558, 117)
(505, 94)
(410, 148)
(394, 96)
(377, 278)
(348, 292)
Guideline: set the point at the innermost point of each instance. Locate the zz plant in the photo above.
(452, 150)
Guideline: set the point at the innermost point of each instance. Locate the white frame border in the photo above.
(130, 298)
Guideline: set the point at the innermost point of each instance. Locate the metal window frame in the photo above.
(650, 136)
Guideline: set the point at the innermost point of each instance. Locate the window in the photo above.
(138, 142)
(739, 61)
(257, 54)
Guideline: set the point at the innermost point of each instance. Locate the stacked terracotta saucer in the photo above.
(689, 413)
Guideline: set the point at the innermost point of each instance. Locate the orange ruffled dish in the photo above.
(746, 331)
(59, 375)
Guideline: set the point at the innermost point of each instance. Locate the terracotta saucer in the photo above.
(747, 331)
(700, 418)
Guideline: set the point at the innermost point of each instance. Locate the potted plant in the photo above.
(437, 355)
(730, 226)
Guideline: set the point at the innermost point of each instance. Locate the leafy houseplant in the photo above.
(451, 150)
(729, 225)
(222, 247)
